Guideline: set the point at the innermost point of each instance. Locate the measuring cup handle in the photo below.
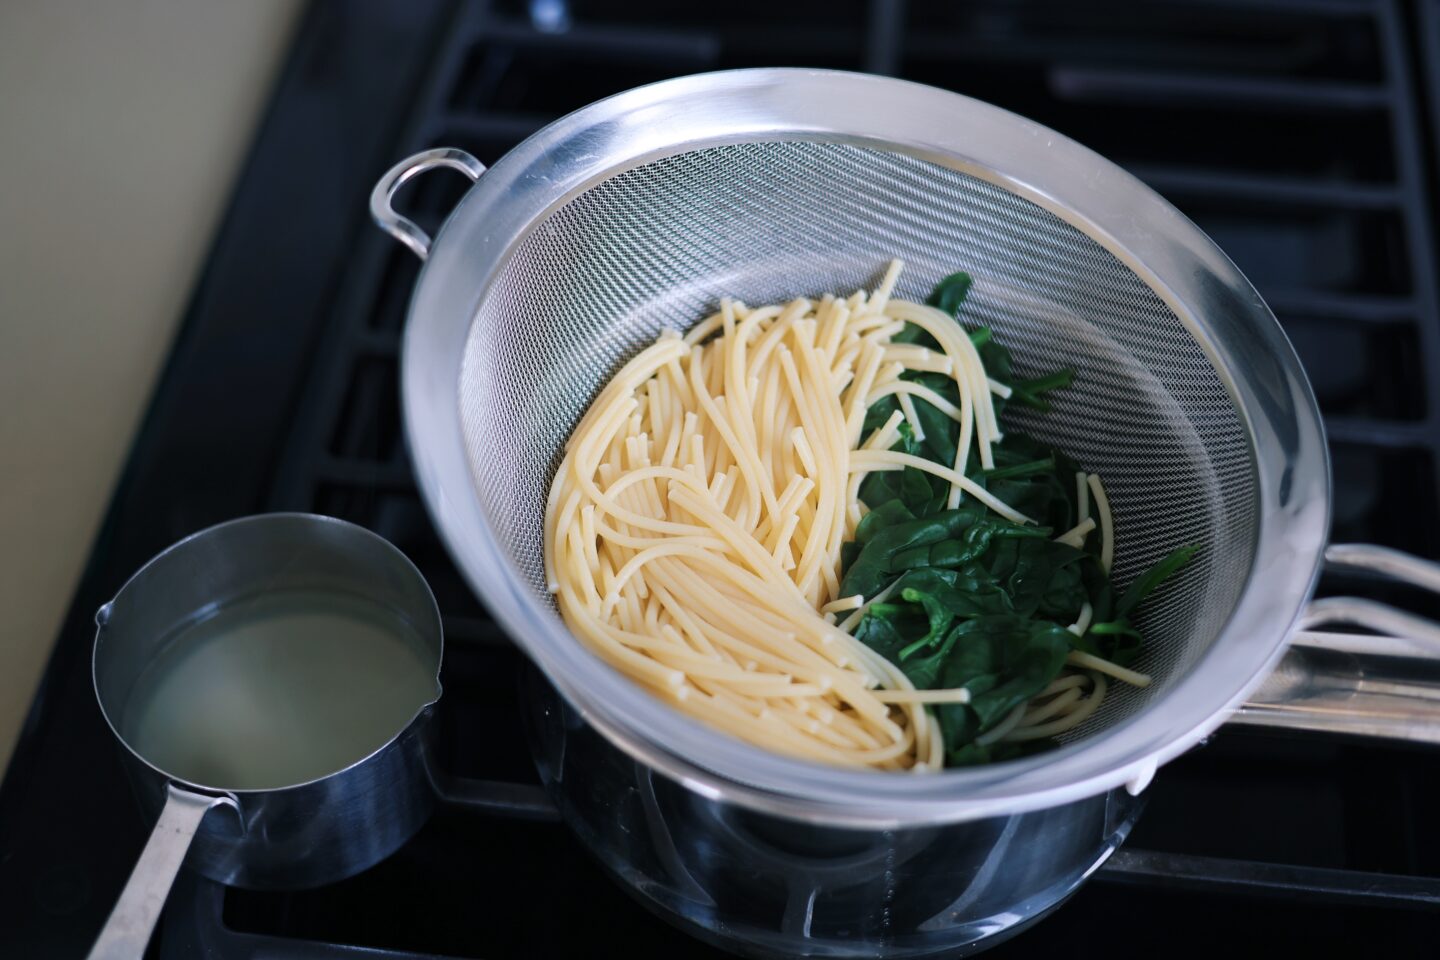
(1382, 684)
(131, 922)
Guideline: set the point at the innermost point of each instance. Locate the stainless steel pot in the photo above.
(639, 212)
(299, 835)
(764, 885)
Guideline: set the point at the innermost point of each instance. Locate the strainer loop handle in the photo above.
(1422, 634)
(383, 196)
(1382, 684)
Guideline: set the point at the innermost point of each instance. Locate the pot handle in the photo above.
(131, 922)
(381, 198)
(1384, 684)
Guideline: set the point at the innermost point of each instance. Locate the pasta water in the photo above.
(278, 690)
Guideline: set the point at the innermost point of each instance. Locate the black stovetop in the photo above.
(1300, 135)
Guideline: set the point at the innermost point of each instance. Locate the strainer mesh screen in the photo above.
(659, 244)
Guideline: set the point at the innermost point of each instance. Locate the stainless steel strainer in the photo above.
(642, 210)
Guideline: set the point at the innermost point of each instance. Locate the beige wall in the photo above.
(122, 125)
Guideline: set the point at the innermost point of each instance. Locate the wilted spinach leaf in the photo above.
(1003, 661)
(978, 601)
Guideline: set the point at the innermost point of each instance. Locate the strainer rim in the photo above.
(1193, 277)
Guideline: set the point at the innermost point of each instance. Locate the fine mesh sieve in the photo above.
(658, 245)
(641, 211)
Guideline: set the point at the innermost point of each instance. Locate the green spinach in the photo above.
(978, 601)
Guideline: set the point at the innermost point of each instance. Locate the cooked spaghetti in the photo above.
(695, 527)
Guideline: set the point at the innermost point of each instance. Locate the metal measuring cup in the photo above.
(299, 835)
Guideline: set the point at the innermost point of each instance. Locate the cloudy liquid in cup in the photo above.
(279, 690)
